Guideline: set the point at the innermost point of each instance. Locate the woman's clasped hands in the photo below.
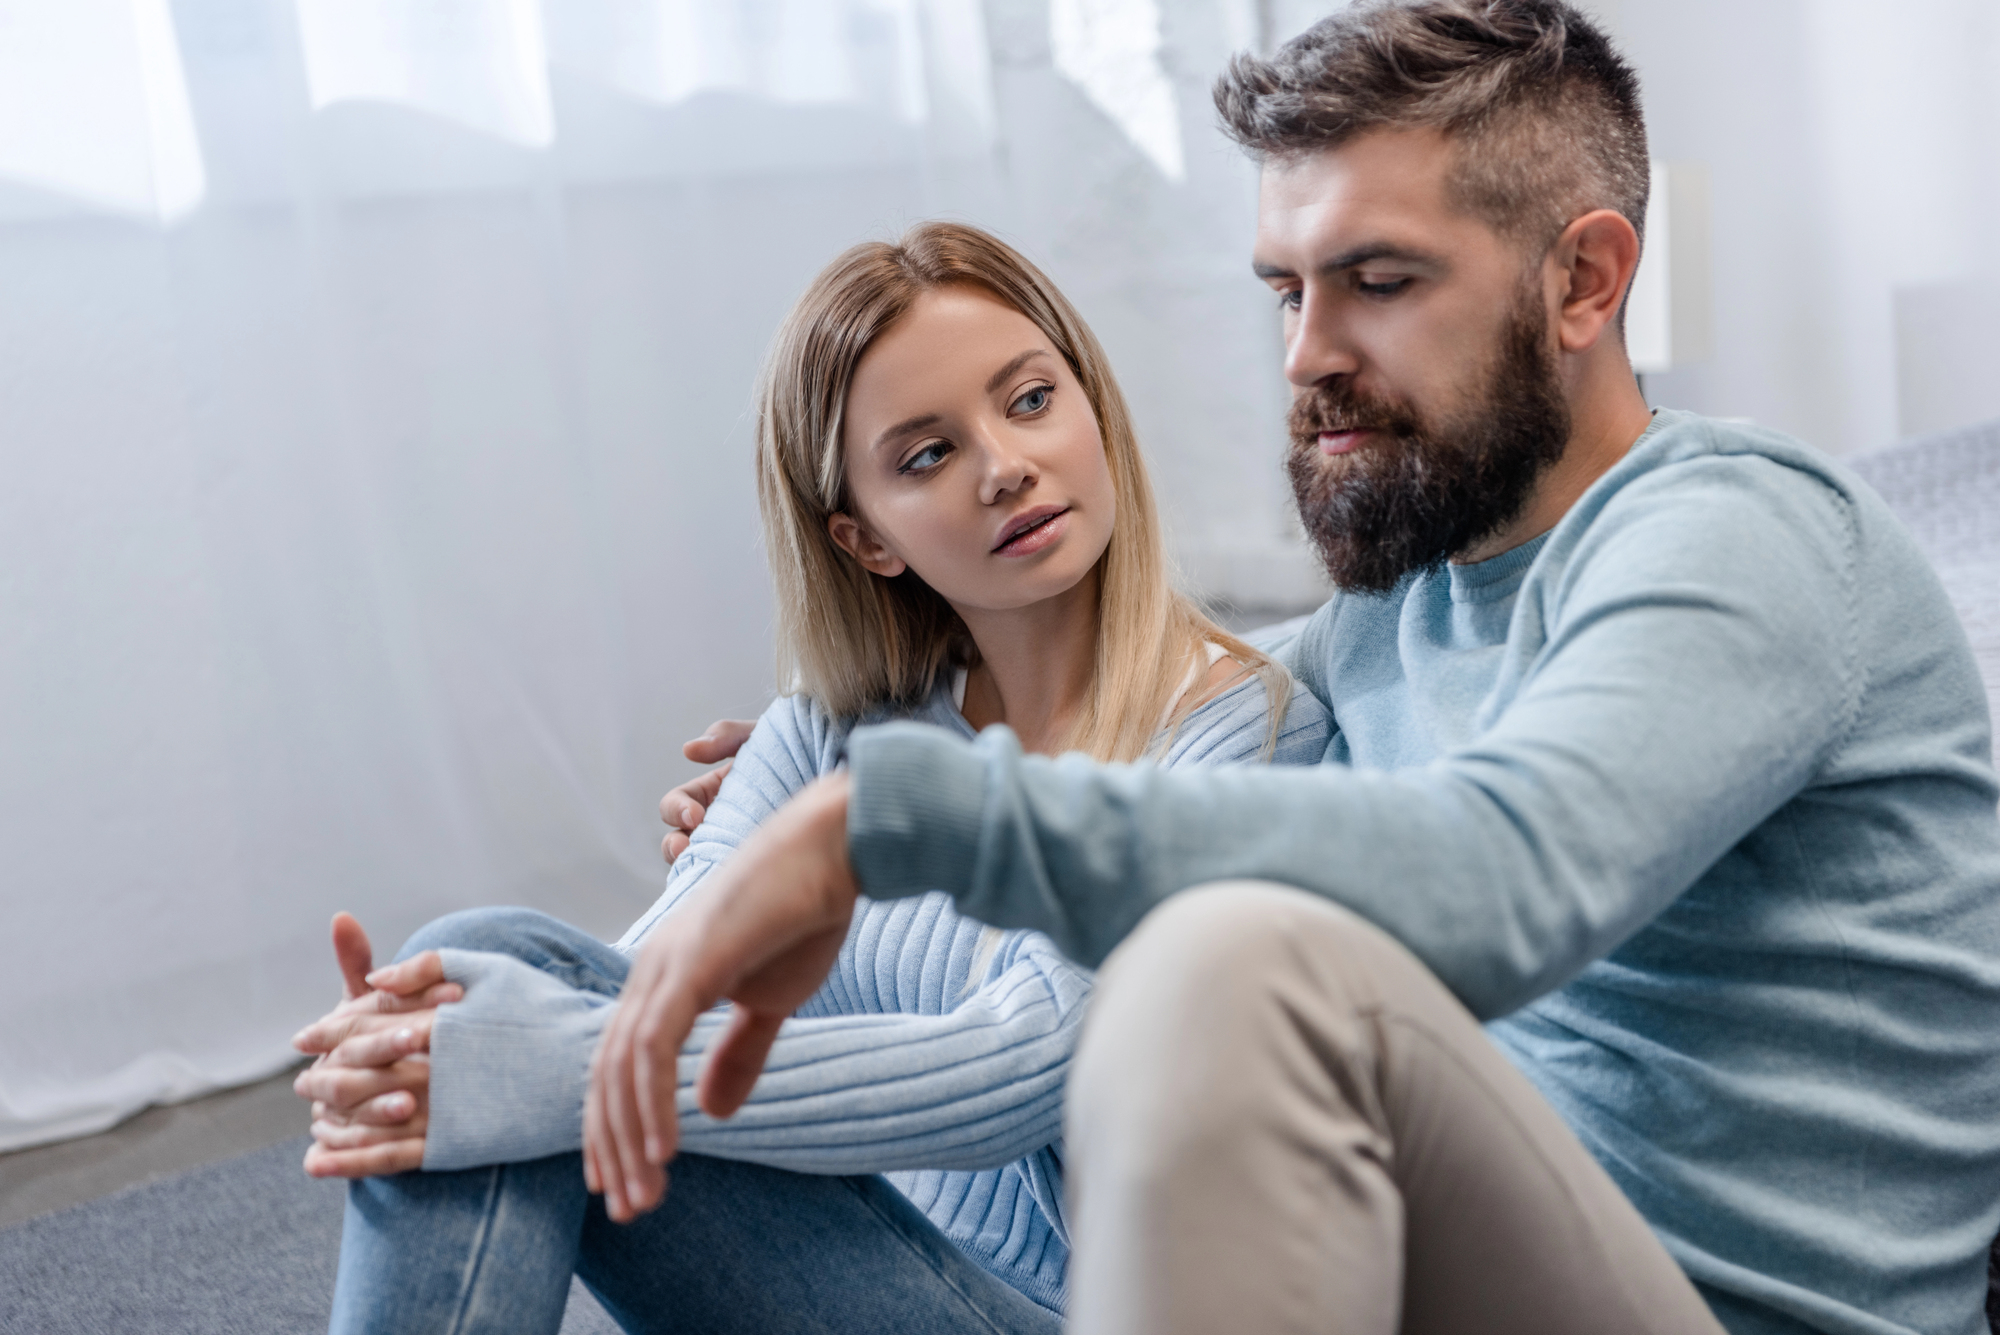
(370, 1086)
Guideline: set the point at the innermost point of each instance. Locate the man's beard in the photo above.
(1420, 491)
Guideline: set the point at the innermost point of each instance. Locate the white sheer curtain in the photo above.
(373, 389)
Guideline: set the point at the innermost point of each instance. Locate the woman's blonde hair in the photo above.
(852, 639)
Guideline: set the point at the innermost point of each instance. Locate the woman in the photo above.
(961, 533)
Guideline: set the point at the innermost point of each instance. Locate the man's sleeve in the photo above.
(1694, 668)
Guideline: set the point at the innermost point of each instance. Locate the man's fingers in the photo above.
(736, 1060)
(399, 1156)
(351, 948)
(723, 739)
(411, 976)
(673, 845)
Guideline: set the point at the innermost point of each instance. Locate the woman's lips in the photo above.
(1340, 442)
(1041, 531)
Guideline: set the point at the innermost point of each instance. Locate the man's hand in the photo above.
(762, 931)
(683, 808)
(370, 1087)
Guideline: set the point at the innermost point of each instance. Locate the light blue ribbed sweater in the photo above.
(902, 1064)
(1696, 792)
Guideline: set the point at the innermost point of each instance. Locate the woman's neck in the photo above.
(1035, 665)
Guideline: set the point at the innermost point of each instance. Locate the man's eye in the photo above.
(1293, 299)
(929, 457)
(1034, 400)
(1388, 287)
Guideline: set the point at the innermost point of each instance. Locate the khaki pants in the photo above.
(1279, 1121)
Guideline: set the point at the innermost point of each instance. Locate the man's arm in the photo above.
(1696, 667)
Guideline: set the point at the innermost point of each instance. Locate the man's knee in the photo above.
(1227, 943)
(1206, 989)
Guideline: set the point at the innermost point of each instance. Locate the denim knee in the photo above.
(533, 937)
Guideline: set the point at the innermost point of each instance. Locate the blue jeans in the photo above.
(735, 1247)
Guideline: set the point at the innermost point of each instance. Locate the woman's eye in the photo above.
(1388, 287)
(929, 457)
(1034, 400)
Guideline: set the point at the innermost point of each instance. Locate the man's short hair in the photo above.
(1543, 111)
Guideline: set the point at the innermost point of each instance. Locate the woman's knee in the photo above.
(502, 931)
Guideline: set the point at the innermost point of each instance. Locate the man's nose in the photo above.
(1317, 345)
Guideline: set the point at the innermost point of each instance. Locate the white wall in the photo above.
(1854, 151)
(377, 527)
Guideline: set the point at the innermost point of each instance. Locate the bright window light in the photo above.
(1111, 50)
(478, 62)
(94, 105)
(790, 51)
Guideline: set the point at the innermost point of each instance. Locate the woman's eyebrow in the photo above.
(905, 427)
(999, 377)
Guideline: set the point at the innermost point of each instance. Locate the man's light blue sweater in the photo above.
(1692, 798)
(904, 1063)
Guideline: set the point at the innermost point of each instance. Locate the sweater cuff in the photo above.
(915, 809)
(509, 1063)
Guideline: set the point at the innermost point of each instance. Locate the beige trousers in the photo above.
(1279, 1121)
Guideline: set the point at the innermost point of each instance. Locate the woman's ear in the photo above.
(859, 543)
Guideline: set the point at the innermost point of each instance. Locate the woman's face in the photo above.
(973, 457)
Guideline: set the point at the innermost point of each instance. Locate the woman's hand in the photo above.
(370, 1087)
(683, 808)
(370, 1091)
(762, 931)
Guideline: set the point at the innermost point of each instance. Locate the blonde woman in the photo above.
(961, 533)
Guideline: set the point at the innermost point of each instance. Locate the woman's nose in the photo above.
(1007, 471)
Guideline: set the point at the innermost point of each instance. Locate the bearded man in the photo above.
(1633, 961)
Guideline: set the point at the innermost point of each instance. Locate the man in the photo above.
(1660, 752)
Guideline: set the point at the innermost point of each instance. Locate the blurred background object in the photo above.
(374, 392)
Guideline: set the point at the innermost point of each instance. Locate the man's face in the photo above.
(1426, 401)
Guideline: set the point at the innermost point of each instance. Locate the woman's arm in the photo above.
(896, 1067)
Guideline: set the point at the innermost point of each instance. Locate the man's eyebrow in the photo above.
(999, 377)
(1368, 254)
(905, 427)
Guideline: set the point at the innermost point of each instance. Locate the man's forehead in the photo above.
(1384, 185)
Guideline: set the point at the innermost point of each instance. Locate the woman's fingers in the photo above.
(344, 1089)
(400, 1156)
(358, 1135)
(326, 1035)
(438, 994)
(384, 1047)
(351, 949)
(409, 977)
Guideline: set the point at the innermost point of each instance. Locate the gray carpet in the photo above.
(243, 1247)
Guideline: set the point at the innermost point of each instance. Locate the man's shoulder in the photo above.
(1684, 454)
(1699, 494)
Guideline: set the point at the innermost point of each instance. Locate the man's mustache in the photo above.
(1327, 409)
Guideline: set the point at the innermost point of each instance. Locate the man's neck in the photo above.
(1605, 419)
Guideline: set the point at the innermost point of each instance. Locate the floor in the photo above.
(157, 1143)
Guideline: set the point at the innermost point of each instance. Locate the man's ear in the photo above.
(1599, 253)
(855, 539)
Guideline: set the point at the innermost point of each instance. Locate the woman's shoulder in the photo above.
(1235, 726)
(798, 730)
